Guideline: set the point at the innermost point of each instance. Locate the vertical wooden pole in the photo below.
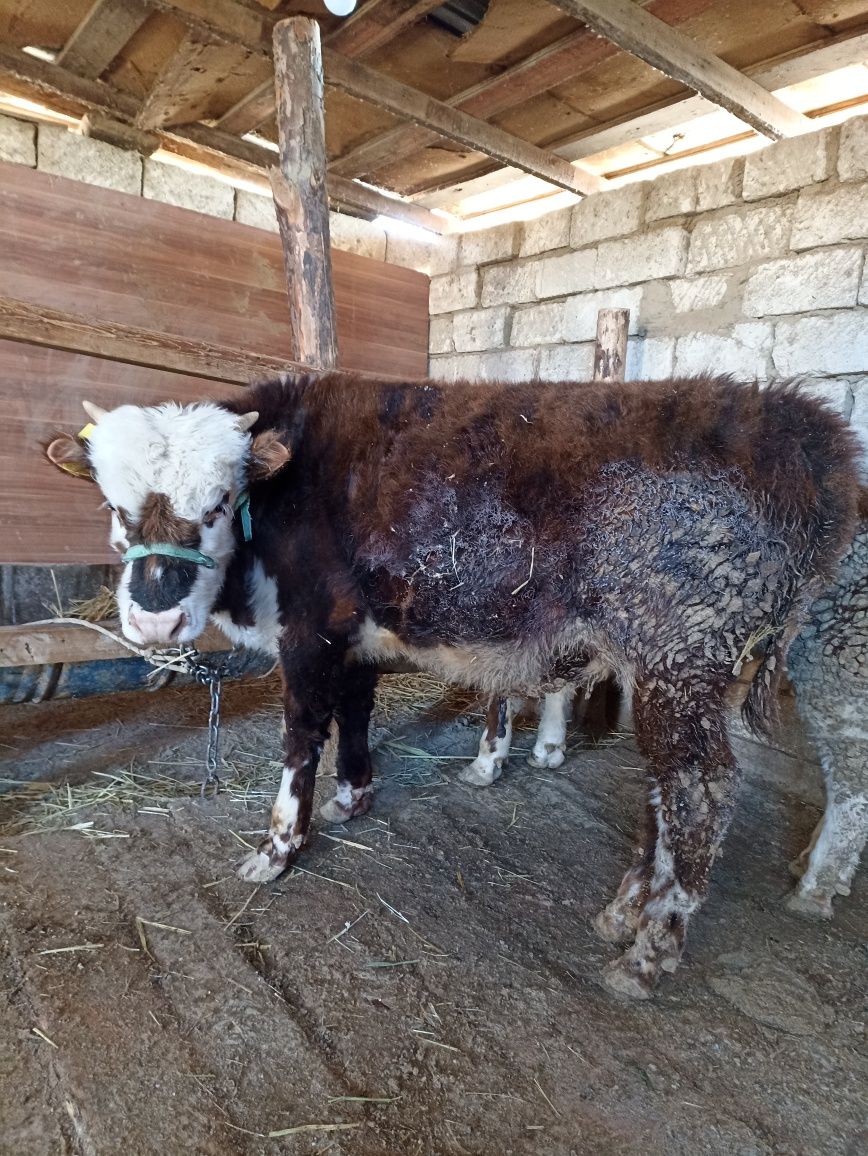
(300, 194)
(610, 349)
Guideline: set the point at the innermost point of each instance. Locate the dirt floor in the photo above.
(426, 984)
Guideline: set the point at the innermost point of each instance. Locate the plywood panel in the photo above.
(112, 257)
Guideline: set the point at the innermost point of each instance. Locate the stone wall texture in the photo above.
(754, 266)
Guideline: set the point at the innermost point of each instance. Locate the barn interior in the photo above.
(516, 190)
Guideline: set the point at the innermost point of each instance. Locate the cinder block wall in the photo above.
(54, 149)
(754, 266)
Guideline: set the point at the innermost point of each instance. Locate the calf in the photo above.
(509, 538)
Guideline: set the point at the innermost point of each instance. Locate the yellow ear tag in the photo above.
(85, 433)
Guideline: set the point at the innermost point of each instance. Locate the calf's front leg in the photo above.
(308, 702)
(354, 703)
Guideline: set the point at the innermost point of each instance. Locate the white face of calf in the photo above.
(170, 475)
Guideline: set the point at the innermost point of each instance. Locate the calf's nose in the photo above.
(161, 627)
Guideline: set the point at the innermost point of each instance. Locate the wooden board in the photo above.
(29, 645)
(122, 259)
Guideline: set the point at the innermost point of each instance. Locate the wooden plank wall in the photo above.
(113, 257)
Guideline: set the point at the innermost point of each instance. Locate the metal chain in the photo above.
(211, 676)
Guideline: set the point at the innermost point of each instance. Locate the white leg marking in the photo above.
(834, 855)
(262, 866)
(551, 739)
(347, 803)
(493, 752)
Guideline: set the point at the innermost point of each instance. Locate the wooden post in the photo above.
(610, 349)
(300, 195)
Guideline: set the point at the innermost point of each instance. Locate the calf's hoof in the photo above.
(616, 927)
(810, 904)
(624, 980)
(337, 811)
(481, 774)
(546, 757)
(267, 862)
(799, 865)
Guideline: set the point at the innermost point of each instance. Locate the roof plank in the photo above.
(545, 69)
(368, 29)
(671, 52)
(410, 104)
(104, 31)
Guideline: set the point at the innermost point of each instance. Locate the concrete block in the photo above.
(541, 235)
(645, 257)
(480, 329)
(508, 365)
(825, 279)
(487, 245)
(435, 257)
(440, 335)
(743, 351)
(610, 214)
(538, 324)
(718, 184)
(826, 217)
(451, 291)
(81, 158)
(853, 150)
(256, 211)
(17, 141)
(787, 165)
(692, 293)
(650, 358)
(455, 367)
(188, 190)
(569, 273)
(580, 312)
(509, 284)
(567, 362)
(836, 392)
(353, 235)
(739, 237)
(671, 194)
(833, 344)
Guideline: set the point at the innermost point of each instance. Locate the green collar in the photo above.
(186, 553)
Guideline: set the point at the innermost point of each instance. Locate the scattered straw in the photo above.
(311, 1128)
(75, 947)
(43, 1036)
(243, 906)
(101, 606)
(362, 1099)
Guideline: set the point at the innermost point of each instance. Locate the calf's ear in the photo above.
(69, 454)
(268, 455)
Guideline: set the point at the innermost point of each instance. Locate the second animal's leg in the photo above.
(551, 739)
(353, 706)
(494, 744)
(681, 731)
(618, 922)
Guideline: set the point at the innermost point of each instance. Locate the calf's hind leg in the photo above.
(353, 705)
(681, 731)
(494, 744)
(551, 739)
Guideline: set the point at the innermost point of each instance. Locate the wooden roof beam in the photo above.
(675, 55)
(411, 104)
(543, 70)
(107, 27)
(368, 29)
(56, 87)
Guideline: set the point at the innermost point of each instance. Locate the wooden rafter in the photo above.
(841, 51)
(409, 103)
(369, 28)
(185, 73)
(55, 86)
(671, 52)
(545, 69)
(104, 31)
